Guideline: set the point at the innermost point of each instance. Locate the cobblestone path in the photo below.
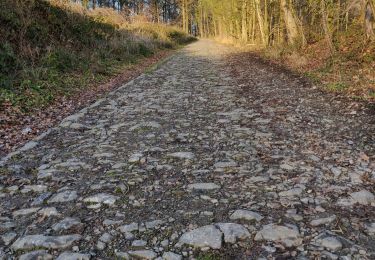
(182, 163)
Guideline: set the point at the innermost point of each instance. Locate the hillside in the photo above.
(51, 49)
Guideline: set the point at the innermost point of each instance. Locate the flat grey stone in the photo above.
(322, 221)
(229, 164)
(64, 196)
(7, 225)
(28, 146)
(73, 256)
(150, 124)
(36, 255)
(249, 215)
(182, 155)
(134, 158)
(206, 236)
(139, 243)
(109, 222)
(122, 255)
(233, 232)
(203, 186)
(41, 198)
(289, 236)
(370, 228)
(291, 193)
(129, 228)
(34, 188)
(287, 167)
(171, 256)
(106, 237)
(330, 243)
(66, 224)
(23, 212)
(143, 254)
(48, 212)
(49, 242)
(103, 198)
(363, 197)
(8, 237)
(153, 224)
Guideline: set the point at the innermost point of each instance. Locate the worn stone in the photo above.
(49, 242)
(129, 228)
(24, 212)
(322, 221)
(242, 214)
(171, 256)
(38, 254)
(330, 243)
(233, 232)
(182, 155)
(206, 236)
(143, 254)
(66, 224)
(289, 236)
(64, 196)
(104, 198)
(203, 186)
(73, 256)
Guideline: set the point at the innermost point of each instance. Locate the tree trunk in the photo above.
(262, 27)
(291, 22)
(369, 19)
(327, 32)
(244, 26)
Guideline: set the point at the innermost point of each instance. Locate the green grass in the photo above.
(208, 256)
(336, 86)
(48, 50)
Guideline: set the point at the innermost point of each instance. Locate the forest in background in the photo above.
(331, 41)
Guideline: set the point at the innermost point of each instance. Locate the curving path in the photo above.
(200, 158)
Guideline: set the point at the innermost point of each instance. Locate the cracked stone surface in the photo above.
(199, 157)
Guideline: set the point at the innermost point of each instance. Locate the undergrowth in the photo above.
(53, 48)
(349, 69)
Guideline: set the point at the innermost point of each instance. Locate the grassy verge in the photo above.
(53, 49)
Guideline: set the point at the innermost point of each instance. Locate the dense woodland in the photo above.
(332, 41)
(266, 22)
